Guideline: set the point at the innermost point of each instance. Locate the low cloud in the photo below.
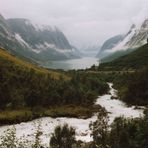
(85, 22)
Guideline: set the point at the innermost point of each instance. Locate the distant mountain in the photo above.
(138, 59)
(136, 37)
(108, 45)
(38, 43)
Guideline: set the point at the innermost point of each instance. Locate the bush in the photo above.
(63, 137)
(99, 130)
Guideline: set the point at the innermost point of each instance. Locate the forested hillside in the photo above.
(26, 86)
(132, 87)
(133, 61)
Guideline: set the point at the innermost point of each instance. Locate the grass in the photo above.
(23, 115)
(15, 116)
(27, 65)
(72, 111)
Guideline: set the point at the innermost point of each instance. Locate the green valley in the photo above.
(28, 91)
(73, 74)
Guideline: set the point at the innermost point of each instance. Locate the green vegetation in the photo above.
(9, 61)
(9, 139)
(9, 116)
(122, 133)
(63, 137)
(99, 130)
(28, 91)
(132, 87)
(15, 116)
(116, 55)
(130, 133)
(129, 76)
(133, 61)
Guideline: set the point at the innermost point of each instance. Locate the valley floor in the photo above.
(27, 114)
(114, 107)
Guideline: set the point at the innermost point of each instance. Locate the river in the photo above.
(115, 108)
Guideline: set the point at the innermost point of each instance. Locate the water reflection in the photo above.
(82, 63)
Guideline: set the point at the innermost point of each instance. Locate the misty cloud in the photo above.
(85, 22)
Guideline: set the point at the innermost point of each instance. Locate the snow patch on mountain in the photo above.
(122, 45)
(21, 41)
(49, 45)
(36, 51)
(46, 46)
(39, 27)
(136, 37)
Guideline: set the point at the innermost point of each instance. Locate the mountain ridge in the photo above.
(108, 45)
(133, 39)
(21, 37)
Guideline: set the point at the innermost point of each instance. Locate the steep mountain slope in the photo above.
(136, 37)
(135, 60)
(35, 35)
(24, 39)
(10, 43)
(108, 45)
(4, 29)
(48, 43)
(8, 60)
(140, 35)
(116, 55)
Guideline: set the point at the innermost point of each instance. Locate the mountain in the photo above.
(38, 43)
(4, 29)
(10, 43)
(108, 45)
(136, 37)
(116, 55)
(138, 59)
(49, 43)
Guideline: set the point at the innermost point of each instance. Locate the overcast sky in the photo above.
(84, 22)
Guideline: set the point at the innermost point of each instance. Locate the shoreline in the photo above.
(10, 117)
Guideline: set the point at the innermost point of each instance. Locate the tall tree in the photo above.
(99, 130)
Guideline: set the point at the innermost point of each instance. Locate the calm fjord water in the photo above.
(76, 64)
